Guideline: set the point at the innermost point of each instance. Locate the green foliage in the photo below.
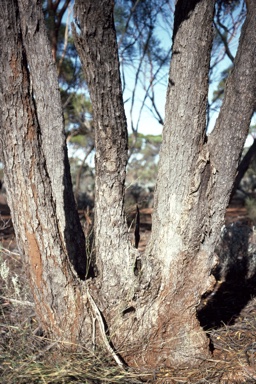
(136, 26)
(79, 141)
(77, 111)
(76, 105)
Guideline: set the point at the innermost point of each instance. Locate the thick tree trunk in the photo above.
(180, 221)
(162, 316)
(37, 176)
(146, 299)
(196, 173)
(149, 306)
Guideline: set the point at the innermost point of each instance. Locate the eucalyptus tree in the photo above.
(149, 301)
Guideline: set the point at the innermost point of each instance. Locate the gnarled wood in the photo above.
(151, 313)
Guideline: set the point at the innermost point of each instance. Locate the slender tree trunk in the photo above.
(97, 47)
(50, 119)
(56, 13)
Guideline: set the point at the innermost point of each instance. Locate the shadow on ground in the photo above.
(236, 276)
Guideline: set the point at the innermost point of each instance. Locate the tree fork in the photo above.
(151, 317)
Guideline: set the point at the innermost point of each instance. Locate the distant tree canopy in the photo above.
(229, 17)
(142, 166)
(144, 55)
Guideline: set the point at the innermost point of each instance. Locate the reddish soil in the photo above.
(235, 212)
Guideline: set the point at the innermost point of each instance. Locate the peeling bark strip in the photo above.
(103, 332)
(35, 260)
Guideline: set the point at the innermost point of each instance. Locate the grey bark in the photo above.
(150, 311)
(176, 268)
(195, 174)
(97, 47)
(154, 293)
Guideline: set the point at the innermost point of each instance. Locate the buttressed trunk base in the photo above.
(150, 312)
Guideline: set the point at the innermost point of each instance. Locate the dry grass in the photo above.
(27, 357)
(234, 357)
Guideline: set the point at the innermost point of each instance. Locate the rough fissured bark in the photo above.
(150, 303)
(97, 47)
(37, 176)
(188, 213)
(196, 173)
(151, 312)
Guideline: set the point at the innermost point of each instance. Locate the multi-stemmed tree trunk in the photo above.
(149, 302)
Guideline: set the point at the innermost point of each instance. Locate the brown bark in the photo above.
(37, 177)
(50, 118)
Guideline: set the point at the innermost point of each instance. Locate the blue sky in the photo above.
(148, 124)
